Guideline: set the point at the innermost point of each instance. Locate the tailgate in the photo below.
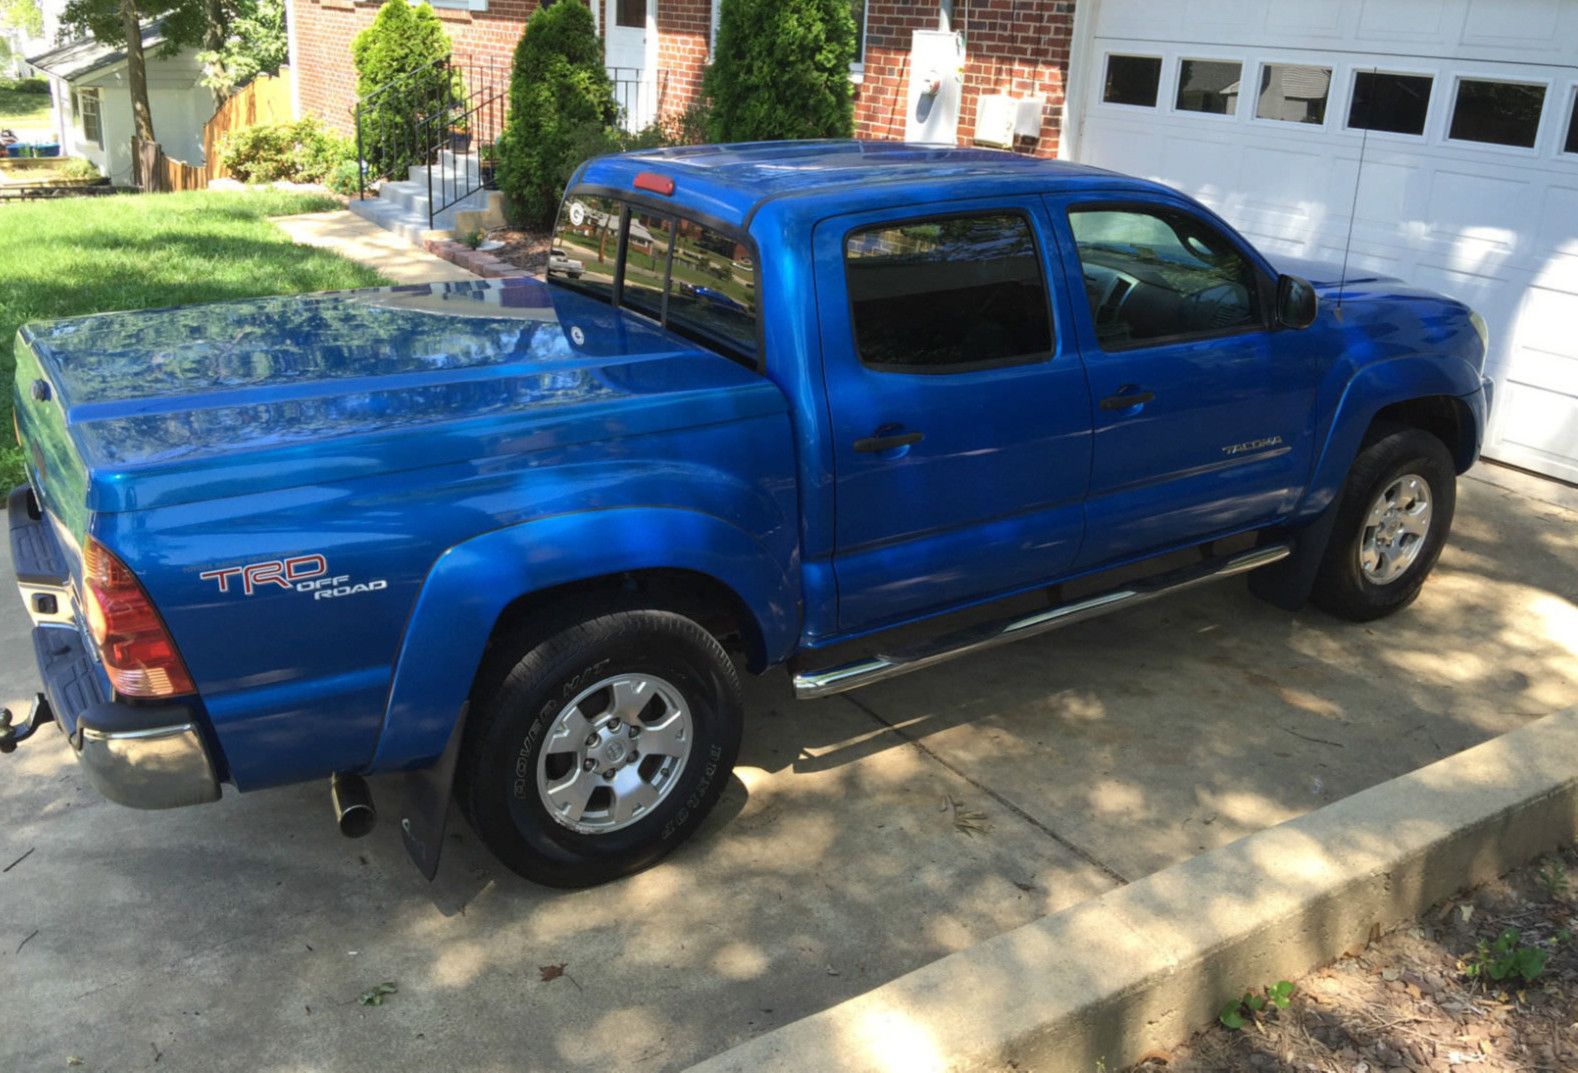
(54, 467)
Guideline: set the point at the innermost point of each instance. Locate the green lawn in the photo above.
(93, 255)
(19, 109)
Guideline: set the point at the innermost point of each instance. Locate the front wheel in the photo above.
(602, 748)
(1392, 522)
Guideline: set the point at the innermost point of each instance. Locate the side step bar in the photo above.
(810, 685)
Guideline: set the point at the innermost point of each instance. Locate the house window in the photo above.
(631, 13)
(1571, 145)
(85, 103)
(1394, 103)
(1293, 93)
(1133, 80)
(947, 295)
(1209, 86)
(1498, 113)
(462, 5)
(859, 10)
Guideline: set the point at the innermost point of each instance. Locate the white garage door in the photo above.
(1464, 111)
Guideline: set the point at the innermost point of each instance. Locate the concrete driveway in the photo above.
(865, 836)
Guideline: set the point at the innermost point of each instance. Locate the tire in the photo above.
(653, 670)
(1376, 561)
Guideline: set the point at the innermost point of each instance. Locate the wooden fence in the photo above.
(266, 99)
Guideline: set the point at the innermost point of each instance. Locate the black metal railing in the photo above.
(462, 139)
(639, 100)
(390, 121)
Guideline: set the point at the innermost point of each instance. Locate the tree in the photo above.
(562, 110)
(24, 15)
(400, 58)
(251, 41)
(781, 70)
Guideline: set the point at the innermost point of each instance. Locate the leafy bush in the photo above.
(299, 152)
(562, 110)
(345, 179)
(1505, 959)
(401, 53)
(79, 170)
(781, 70)
(25, 85)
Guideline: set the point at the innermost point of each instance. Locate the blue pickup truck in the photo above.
(853, 408)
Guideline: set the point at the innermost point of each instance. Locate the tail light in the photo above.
(137, 650)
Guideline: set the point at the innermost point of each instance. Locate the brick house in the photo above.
(657, 51)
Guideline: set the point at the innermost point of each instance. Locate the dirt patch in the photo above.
(524, 249)
(1426, 997)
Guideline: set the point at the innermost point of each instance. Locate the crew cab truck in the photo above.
(833, 405)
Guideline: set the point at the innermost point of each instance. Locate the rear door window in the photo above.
(949, 294)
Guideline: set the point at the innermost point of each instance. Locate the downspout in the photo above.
(945, 15)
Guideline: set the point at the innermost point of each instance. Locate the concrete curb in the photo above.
(1143, 966)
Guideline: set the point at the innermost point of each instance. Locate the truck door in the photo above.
(959, 411)
(1203, 409)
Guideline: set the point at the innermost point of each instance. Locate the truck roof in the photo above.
(729, 182)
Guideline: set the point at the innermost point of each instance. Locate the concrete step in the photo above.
(402, 208)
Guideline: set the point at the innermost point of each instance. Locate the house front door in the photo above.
(630, 31)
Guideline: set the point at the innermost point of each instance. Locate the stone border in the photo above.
(1143, 966)
(473, 261)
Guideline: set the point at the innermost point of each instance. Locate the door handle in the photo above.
(1127, 402)
(878, 444)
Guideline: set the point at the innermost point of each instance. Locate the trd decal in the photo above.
(302, 573)
(282, 572)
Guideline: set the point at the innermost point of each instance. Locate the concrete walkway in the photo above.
(237, 936)
(359, 240)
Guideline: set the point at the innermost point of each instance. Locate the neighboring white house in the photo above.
(1465, 115)
(93, 103)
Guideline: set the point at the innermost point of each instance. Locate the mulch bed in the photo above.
(1410, 1000)
(524, 249)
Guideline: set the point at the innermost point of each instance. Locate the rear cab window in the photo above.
(692, 278)
(948, 294)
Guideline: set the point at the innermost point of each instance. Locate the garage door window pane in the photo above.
(1154, 276)
(1293, 93)
(1572, 129)
(1133, 80)
(950, 294)
(1395, 103)
(1209, 86)
(1501, 113)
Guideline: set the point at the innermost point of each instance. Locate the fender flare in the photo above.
(473, 582)
(1371, 390)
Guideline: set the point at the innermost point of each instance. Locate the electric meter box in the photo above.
(936, 86)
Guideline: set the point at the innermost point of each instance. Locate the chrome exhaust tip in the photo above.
(353, 805)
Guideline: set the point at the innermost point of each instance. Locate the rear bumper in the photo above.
(142, 755)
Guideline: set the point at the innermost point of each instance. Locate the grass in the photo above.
(19, 109)
(95, 255)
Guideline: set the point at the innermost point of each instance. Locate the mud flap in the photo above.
(1288, 584)
(424, 803)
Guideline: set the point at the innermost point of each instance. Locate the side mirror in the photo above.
(1296, 302)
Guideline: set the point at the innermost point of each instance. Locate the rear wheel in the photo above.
(602, 747)
(1392, 522)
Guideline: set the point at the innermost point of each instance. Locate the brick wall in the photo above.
(1014, 46)
(325, 29)
(684, 36)
(1018, 47)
